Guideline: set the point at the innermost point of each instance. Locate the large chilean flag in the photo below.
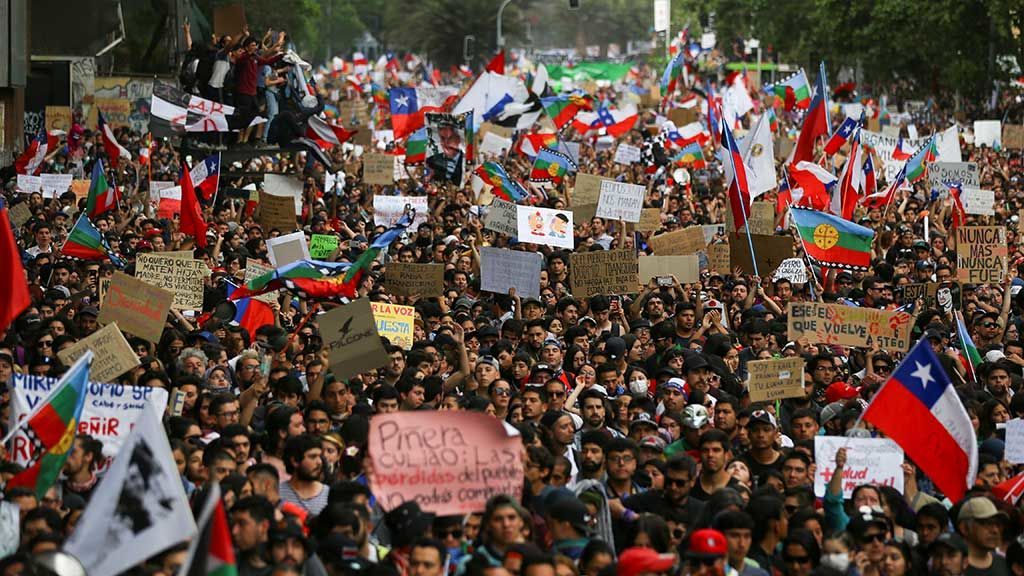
(919, 409)
(736, 178)
(816, 123)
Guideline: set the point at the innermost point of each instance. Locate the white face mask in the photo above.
(840, 561)
(638, 385)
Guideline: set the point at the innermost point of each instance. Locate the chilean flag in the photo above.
(326, 133)
(870, 185)
(615, 121)
(815, 182)
(404, 108)
(816, 123)
(898, 153)
(31, 160)
(736, 176)
(1011, 490)
(114, 150)
(841, 136)
(250, 313)
(919, 409)
(206, 176)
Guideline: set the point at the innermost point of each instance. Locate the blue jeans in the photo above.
(272, 110)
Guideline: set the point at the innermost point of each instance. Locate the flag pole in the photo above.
(743, 208)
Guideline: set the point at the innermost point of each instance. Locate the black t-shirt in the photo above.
(758, 471)
(698, 491)
(997, 568)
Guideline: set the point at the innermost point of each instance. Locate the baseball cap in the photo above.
(652, 442)
(695, 416)
(763, 417)
(830, 411)
(489, 360)
(706, 543)
(837, 391)
(636, 561)
(676, 384)
(570, 509)
(643, 419)
(864, 519)
(950, 540)
(978, 508)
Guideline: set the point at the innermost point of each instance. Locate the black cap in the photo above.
(407, 523)
(570, 509)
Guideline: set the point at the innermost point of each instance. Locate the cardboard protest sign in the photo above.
(80, 188)
(58, 118)
(792, 269)
(253, 270)
(544, 226)
(19, 214)
(379, 169)
(351, 339)
(718, 258)
(116, 111)
(276, 213)
(283, 185)
(964, 172)
(876, 461)
(448, 463)
(229, 19)
(387, 210)
(620, 201)
(770, 251)
(1013, 136)
(287, 249)
(987, 133)
(775, 379)
(761, 219)
(981, 253)
(603, 272)
(686, 269)
(650, 220)
(627, 154)
(446, 146)
(139, 308)
(587, 189)
(945, 295)
(977, 201)
(501, 269)
(28, 184)
(849, 325)
(680, 242)
(683, 116)
(181, 276)
(112, 356)
(108, 413)
(501, 217)
(321, 246)
(394, 322)
(54, 185)
(423, 280)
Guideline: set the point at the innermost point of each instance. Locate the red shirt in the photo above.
(246, 68)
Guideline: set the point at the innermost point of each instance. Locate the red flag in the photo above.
(12, 282)
(816, 124)
(1010, 490)
(192, 222)
(497, 64)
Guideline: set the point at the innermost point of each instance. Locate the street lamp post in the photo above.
(501, 10)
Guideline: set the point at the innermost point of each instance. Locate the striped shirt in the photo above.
(313, 505)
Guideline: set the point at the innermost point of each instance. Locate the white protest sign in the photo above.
(544, 226)
(388, 209)
(501, 217)
(287, 249)
(964, 172)
(884, 144)
(56, 184)
(947, 143)
(502, 269)
(108, 414)
(29, 184)
(495, 144)
(988, 133)
(877, 461)
(1014, 441)
(792, 269)
(620, 201)
(981, 202)
(710, 230)
(626, 154)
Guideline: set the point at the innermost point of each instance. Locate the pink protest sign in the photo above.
(449, 462)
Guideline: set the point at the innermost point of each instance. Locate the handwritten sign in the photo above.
(587, 189)
(981, 253)
(20, 214)
(449, 463)
(55, 184)
(977, 201)
(877, 461)
(964, 172)
(686, 269)
(626, 154)
(718, 258)
(1013, 136)
(379, 169)
(394, 322)
(650, 220)
(28, 184)
(679, 242)
(501, 217)
(351, 339)
(769, 252)
(775, 379)
(138, 307)
(849, 325)
(58, 118)
(761, 219)
(621, 201)
(182, 276)
(108, 413)
(276, 212)
(321, 246)
(112, 356)
(792, 269)
(501, 269)
(603, 272)
(254, 270)
(423, 280)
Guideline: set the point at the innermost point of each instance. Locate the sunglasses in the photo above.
(45, 343)
(883, 368)
(457, 533)
(989, 325)
(676, 481)
(877, 537)
(502, 392)
(796, 559)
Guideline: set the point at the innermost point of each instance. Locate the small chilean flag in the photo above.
(898, 153)
(114, 150)
(919, 409)
(841, 136)
(736, 176)
(206, 176)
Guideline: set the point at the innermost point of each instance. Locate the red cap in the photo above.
(636, 561)
(706, 543)
(837, 391)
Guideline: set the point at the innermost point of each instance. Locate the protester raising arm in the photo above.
(835, 516)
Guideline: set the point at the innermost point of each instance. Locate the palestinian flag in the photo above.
(531, 144)
(494, 175)
(51, 429)
(416, 147)
(211, 553)
(562, 109)
(85, 242)
(102, 196)
(795, 91)
(832, 242)
(318, 279)
(551, 166)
